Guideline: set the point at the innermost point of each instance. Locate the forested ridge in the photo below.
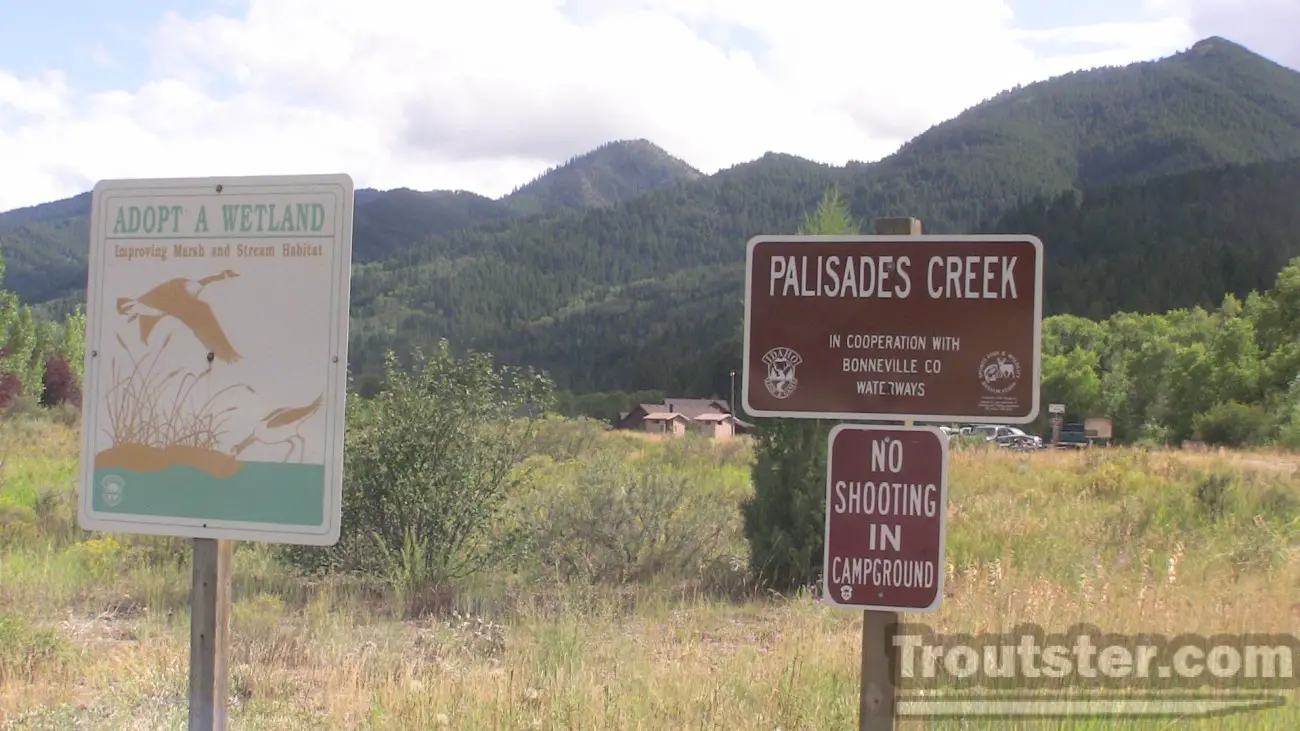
(1171, 242)
(1175, 241)
(46, 244)
(1214, 104)
(1154, 186)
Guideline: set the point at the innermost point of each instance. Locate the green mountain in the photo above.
(45, 245)
(1170, 242)
(44, 248)
(574, 284)
(502, 286)
(1214, 104)
(389, 222)
(1176, 241)
(613, 172)
(622, 268)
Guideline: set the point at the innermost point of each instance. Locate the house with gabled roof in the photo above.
(678, 415)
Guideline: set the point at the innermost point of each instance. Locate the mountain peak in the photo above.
(1217, 43)
(613, 172)
(1217, 49)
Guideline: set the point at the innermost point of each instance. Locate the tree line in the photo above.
(41, 361)
(1223, 375)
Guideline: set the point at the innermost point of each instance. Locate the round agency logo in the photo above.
(846, 592)
(780, 380)
(999, 372)
(110, 488)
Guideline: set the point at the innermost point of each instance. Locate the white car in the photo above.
(1005, 435)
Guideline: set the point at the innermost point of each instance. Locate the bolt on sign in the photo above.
(895, 328)
(886, 501)
(216, 357)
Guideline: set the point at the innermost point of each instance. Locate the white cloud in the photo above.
(40, 96)
(483, 95)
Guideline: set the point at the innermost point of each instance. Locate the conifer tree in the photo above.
(783, 520)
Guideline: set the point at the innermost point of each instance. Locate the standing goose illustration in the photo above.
(284, 423)
(179, 298)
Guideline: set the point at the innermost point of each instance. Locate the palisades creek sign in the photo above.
(886, 502)
(216, 357)
(923, 328)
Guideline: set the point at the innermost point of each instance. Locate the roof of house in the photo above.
(687, 408)
(714, 417)
(693, 407)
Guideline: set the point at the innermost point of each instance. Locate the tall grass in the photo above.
(149, 406)
(626, 606)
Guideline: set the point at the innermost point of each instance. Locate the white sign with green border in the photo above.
(216, 357)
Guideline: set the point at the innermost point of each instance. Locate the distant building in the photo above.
(679, 415)
(664, 422)
(718, 426)
(1099, 427)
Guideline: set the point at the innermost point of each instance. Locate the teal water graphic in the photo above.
(261, 492)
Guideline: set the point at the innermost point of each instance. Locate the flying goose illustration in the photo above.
(179, 298)
(284, 423)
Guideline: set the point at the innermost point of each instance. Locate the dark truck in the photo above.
(1074, 436)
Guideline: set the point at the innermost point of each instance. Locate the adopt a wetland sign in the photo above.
(216, 357)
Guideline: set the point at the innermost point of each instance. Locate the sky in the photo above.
(485, 95)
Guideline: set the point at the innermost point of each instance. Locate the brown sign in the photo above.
(921, 328)
(886, 500)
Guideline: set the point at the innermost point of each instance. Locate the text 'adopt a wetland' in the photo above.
(290, 220)
(227, 219)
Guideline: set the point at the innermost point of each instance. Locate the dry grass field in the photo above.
(94, 627)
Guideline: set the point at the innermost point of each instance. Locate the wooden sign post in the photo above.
(1058, 419)
(210, 634)
(886, 506)
(877, 697)
(216, 373)
(898, 326)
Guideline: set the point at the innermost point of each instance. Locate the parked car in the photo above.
(1074, 436)
(1006, 436)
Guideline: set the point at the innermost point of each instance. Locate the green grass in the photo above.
(94, 627)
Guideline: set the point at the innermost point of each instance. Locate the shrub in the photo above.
(56, 513)
(10, 389)
(428, 463)
(610, 519)
(1213, 494)
(103, 557)
(26, 650)
(565, 439)
(1234, 424)
(784, 519)
(1153, 435)
(61, 385)
(18, 524)
(1289, 417)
